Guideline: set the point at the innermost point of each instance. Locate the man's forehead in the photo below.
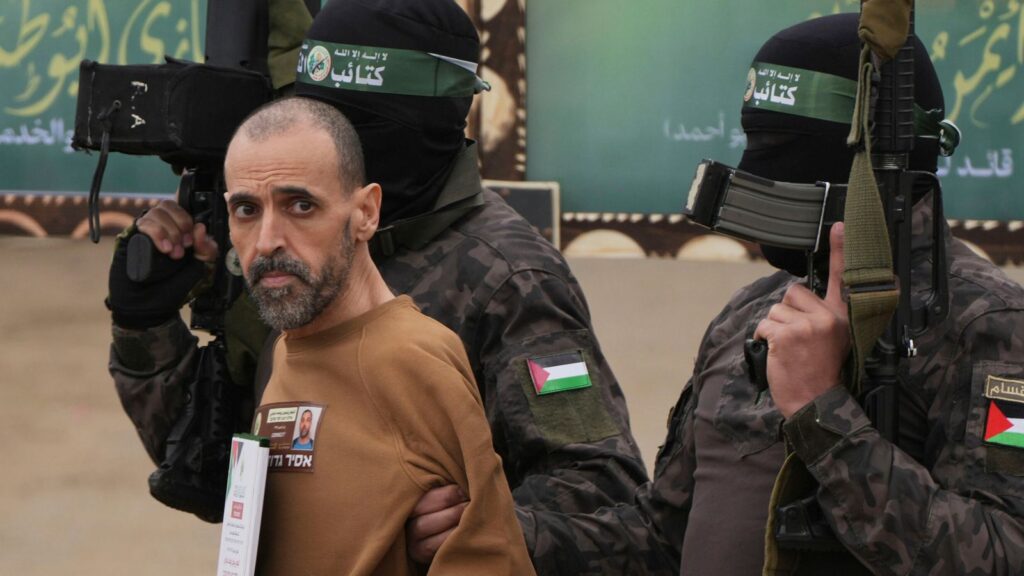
(292, 158)
(310, 137)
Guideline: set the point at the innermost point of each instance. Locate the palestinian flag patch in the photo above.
(559, 372)
(1005, 422)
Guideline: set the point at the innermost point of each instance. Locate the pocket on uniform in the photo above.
(746, 415)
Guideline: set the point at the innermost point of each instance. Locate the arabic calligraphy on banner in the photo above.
(978, 51)
(987, 85)
(42, 43)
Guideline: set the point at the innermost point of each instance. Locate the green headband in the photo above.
(386, 70)
(828, 97)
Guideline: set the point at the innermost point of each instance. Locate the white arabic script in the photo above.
(997, 164)
(37, 135)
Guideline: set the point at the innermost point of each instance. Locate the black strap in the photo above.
(417, 231)
(106, 117)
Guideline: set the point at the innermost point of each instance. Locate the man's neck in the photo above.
(366, 290)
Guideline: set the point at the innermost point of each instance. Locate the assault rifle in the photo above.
(799, 216)
(186, 113)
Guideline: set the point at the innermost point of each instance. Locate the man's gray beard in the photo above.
(294, 306)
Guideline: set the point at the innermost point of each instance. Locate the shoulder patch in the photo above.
(1005, 422)
(567, 391)
(559, 372)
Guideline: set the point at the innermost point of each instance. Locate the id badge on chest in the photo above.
(292, 428)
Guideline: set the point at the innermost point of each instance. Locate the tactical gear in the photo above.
(411, 140)
(146, 304)
(943, 501)
(819, 153)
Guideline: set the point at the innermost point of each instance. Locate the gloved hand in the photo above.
(182, 248)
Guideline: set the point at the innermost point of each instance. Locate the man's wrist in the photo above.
(147, 350)
(816, 429)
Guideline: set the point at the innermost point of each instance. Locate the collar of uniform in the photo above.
(465, 175)
(461, 193)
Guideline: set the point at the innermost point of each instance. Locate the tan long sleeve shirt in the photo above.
(364, 417)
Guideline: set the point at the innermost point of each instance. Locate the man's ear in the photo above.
(366, 211)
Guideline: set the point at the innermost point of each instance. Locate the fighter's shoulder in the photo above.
(497, 232)
(978, 288)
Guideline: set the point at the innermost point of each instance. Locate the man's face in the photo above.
(305, 424)
(290, 223)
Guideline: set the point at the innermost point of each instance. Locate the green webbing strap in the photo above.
(873, 296)
(792, 482)
(884, 25)
(872, 299)
(869, 279)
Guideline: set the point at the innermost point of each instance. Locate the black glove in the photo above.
(139, 305)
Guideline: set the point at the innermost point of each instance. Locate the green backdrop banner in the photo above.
(41, 45)
(625, 98)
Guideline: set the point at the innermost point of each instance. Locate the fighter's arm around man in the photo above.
(565, 451)
(955, 513)
(153, 354)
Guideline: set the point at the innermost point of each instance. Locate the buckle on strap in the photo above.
(383, 242)
(872, 287)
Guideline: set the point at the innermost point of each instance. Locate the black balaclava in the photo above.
(409, 142)
(789, 148)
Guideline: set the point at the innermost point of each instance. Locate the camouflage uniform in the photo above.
(944, 502)
(510, 296)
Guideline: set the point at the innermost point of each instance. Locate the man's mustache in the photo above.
(264, 265)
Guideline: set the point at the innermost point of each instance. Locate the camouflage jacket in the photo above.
(510, 297)
(946, 501)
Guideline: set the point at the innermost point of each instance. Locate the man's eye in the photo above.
(244, 210)
(302, 206)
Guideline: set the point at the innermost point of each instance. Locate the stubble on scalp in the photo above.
(287, 114)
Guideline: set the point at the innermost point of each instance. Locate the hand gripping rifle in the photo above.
(186, 113)
(877, 208)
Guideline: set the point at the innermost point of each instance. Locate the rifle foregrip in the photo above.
(756, 354)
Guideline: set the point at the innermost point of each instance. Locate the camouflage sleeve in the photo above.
(150, 369)
(960, 512)
(568, 450)
(642, 537)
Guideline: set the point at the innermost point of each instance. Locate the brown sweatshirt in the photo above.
(364, 417)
